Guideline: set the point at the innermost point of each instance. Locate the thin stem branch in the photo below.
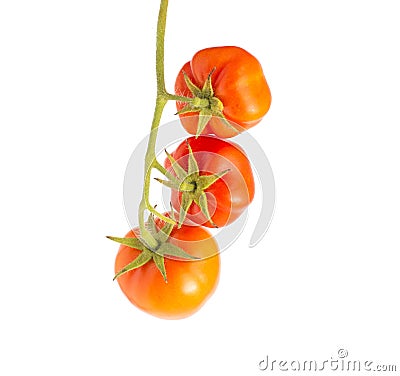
(161, 25)
(172, 97)
(150, 158)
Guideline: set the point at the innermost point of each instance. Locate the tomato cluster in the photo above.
(169, 266)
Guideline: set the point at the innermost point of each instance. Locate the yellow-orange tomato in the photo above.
(190, 282)
(238, 82)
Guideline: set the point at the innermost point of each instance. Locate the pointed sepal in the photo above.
(163, 235)
(143, 258)
(205, 116)
(159, 261)
(201, 201)
(208, 90)
(130, 242)
(186, 202)
(178, 169)
(221, 117)
(168, 183)
(206, 181)
(169, 249)
(187, 110)
(191, 86)
(193, 167)
(151, 225)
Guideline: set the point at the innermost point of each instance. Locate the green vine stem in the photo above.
(150, 159)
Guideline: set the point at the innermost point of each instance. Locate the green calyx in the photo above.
(204, 103)
(192, 185)
(157, 254)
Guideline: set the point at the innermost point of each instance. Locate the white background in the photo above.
(76, 96)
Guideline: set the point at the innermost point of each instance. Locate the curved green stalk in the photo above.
(150, 158)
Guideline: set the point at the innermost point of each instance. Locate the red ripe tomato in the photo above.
(190, 282)
(238, 83)
(229, 195)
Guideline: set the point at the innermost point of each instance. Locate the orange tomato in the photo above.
(238, 82)
(230, 195)
(189, 282)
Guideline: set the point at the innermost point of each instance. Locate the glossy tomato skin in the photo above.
(190, 283)
(229, 196)
(238, 82)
